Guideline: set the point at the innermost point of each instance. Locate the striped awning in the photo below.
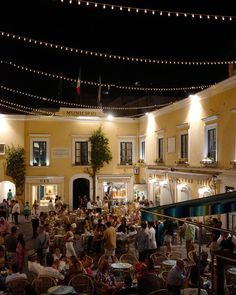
(212, 205)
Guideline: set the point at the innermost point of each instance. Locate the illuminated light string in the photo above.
(113, 56)
(55, 76)
(72, 104)
(20, 107)
(153, 12)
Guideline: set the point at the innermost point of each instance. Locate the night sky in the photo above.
(112, 32)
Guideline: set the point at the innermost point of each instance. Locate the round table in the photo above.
(61, 290)
(120, 269)
(168, 264)
(121, 266)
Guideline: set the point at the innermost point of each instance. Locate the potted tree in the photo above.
(15, 168)
(100, 153)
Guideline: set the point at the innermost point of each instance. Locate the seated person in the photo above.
(227, 242)
(76, 267)
(87, 264)
(50, 271)
(2, 258)
(127, 289)
(33, 265)
(15, 274)
(57, 254)
(106, 277)
(176, 278)
(4, 227)
(147, 282)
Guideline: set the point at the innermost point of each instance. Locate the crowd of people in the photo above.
(68, 243)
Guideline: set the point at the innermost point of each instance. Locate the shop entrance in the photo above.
(80, 188)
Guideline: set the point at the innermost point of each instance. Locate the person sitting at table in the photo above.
(104, 275)
(122, 227)
(76, 267)
(2, 258)
(127, 288)
(176, 278)
(15, 274)
(147, 282)
(50, 271)
(87, 264)
(33, 265)
(227, 242)
(97, 242)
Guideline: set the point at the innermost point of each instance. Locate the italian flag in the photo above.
(78, 83)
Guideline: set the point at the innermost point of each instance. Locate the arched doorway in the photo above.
(80, 188)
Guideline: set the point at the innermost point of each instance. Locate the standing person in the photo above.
(168, 233)
(20, 251)
(35, 219)
(189, 235)
(26, 210)
(152, 238)
(50, 206)
(69, 241)
(142, 242)
(89, 205)
(42, 244)
(99, 205)
(7, 209)
(9, 195)
(16, 211)
(159, 234)
(110, 239)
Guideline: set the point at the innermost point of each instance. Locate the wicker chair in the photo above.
(175, 255)
(110, 258)
(82, 284)
(157, 259)
(128, 258)
(163, 277)
(43, 283)
(17, 286)
(159, 292)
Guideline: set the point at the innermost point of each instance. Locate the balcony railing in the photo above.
(183, 162)
(208, 162)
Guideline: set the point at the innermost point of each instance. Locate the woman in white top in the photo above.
(69, 240)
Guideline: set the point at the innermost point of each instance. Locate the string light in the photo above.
(135, 88)
(114, 56)
(72, 104)
(155, 11)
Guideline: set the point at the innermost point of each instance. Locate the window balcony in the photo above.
(183, 162)
(209, 162)
(233, 163)
(159, 161)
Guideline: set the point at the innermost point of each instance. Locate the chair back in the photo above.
(163, 277)
(110, 258)
(17, 286)
(128, 258)
(43, 283)
(159, 292)
(175, 255)
(82, 284)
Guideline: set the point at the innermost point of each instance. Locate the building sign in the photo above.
(60, 153)
(76, 112)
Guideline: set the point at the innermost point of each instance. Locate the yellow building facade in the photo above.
(180, 152)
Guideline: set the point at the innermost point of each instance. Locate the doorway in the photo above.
(81, 187)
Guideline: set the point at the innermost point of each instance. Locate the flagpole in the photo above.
(99, 92)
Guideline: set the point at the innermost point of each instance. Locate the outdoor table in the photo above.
(61, 290)
(167, 264)
(119, 269)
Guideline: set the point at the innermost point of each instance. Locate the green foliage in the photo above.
(100, 151)
(15, 166)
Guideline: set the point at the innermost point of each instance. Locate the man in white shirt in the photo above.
(16, 211)
(152, 237)
(33, 265)
(99, 205)
(15, 274)
(50, 271)
(89, 205)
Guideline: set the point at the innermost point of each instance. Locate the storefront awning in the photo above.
(216, 204)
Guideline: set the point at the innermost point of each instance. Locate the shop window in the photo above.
(184, 146)
(81, 153)
(126, 153)
(39, 152)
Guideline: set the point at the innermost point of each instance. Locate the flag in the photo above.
(78, 83)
